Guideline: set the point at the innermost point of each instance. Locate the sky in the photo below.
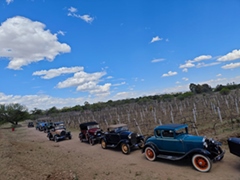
(64, 53)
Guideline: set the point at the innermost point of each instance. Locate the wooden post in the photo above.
(138, 126)
(219, 114)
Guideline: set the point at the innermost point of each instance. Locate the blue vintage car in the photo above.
(172, 141)
(40, 126)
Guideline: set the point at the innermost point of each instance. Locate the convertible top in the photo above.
(83, 126)
(117, 125)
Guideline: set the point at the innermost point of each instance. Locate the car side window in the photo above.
(167, 133)
(158, 132)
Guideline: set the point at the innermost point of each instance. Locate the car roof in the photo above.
(172, 126)
(86, 124)
(117, 125)
(57, 123)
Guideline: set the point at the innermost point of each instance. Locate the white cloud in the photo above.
(157, 60)
(199, 65)
(87, 18)
(231, 66)
(191, 63)
(24, 41)
(188, 64)
(119, 84)
(155, 39)
(61, 33)
(86, 82)
(72, 9)
(40, 101)
(49, 74)
(185, 79)
(235, 54)
(170, 73)
(9, 1)
(218, 75)
(202, 57)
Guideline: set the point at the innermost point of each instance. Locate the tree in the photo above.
(224, 91)
(13, 113)
(192, 87)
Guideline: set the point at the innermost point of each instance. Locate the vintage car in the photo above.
(30, 124)
(59, 133)
(119, 136)
(90, 132)
(234, 145)
(40, 126)
(48, 126)
(172, 141)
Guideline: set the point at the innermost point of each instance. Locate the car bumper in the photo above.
(62, 137)
(219, 157)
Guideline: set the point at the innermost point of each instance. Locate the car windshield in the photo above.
(180, 131)
(93, 126)
(123, 128)
(60, 127)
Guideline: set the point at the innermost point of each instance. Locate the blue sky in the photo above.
(64, 52)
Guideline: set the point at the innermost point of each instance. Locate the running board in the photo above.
(173, 158)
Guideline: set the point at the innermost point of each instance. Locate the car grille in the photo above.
(133, 138)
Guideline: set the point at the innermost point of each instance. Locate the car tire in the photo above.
(55, 139)
(103, 144)
(69, 137)
(125, 148)
(150, 154)
(201, 163)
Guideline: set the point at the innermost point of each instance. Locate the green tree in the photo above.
(225, 91)
(13, 113)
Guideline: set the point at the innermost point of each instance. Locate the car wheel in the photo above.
(125, 148)
(69, 137)
(91, 141)
(150, 154)
(103, 144)
(55, 139)
(141, 144)
(201, 163)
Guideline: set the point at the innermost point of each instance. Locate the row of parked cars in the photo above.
(170, 141)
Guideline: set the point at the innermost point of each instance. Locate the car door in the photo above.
(112, 137)
(168, 142)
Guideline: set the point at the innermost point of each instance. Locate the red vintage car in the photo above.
(90, 132)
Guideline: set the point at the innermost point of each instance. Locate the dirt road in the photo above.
(27, 154)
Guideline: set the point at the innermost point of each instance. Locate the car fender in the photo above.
(198, 151)
(152, 145)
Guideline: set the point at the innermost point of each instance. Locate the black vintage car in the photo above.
(90, 132)
(30, 124)
(119, 136)
(234, 145)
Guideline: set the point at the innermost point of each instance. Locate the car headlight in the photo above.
(129, 136)
(205, 144)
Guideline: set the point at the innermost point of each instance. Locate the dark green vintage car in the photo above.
(172, 141)
(119, 136)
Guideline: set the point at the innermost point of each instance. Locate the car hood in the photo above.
(192, 138)
(125, 132)
(93, 130)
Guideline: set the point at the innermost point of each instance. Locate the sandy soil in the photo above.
(27, 154)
